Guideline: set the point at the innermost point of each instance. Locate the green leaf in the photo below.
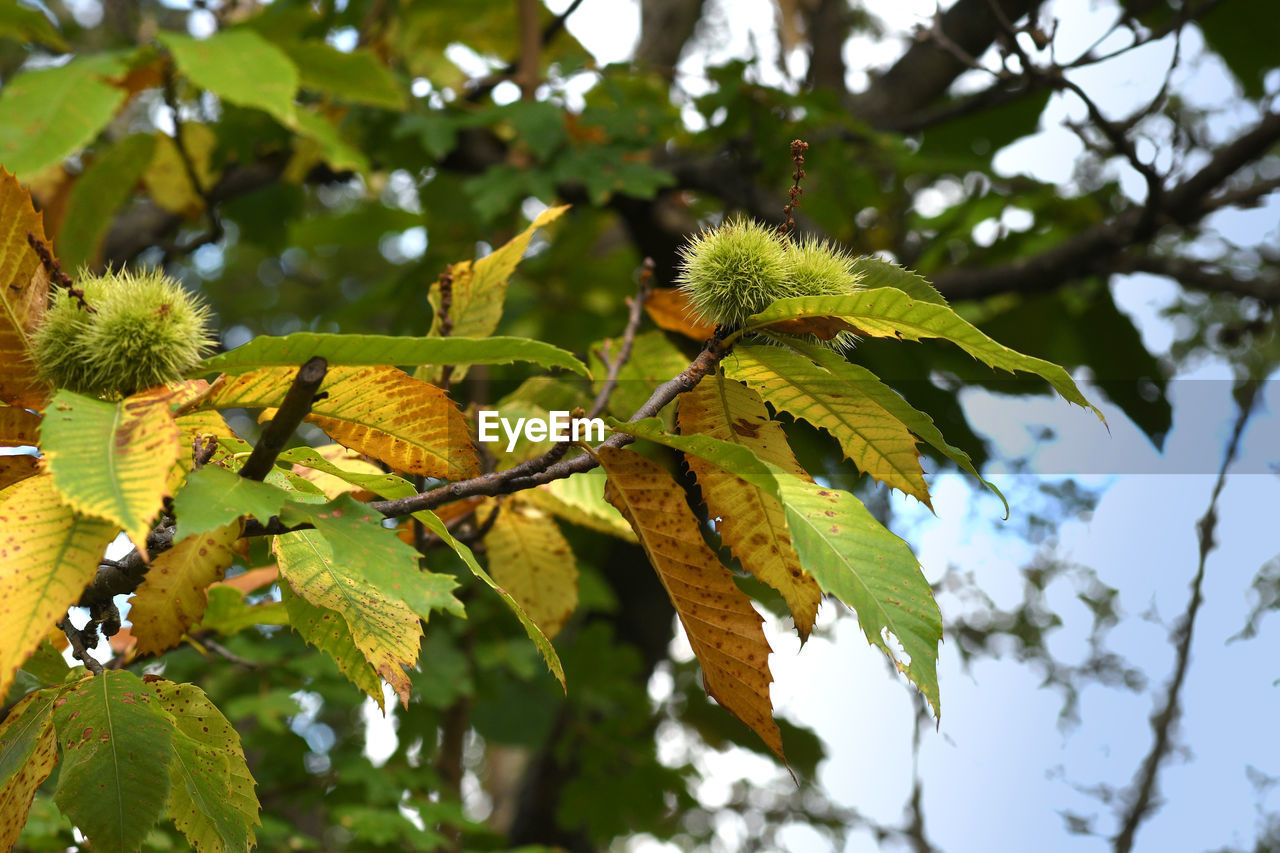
(873, 272)
(292, 350)
(29, 26)
(100, 191)
(50, 114)
(357, 76)
(356, 534)
(887, 312)
(849, 553)
(228, 613)
(337, 152)
(214, 496)
(854, 558)
(211, 796)
(112, 460)
(354, 566)
(240, 67)
(436, 526)
(117, 743)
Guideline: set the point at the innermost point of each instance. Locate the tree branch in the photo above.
(296, 406)
(1096, 249)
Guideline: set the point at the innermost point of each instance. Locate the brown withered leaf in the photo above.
(724, 630)
(753, 523)
(823, 328)
(669, 309)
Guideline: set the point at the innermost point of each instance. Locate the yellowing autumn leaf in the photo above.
(480, 288)
(381, 412)
(530, 558)
(383, 628)
(723, 628)
(172, 597)
(166, 177)
(23, 292)
(871, 436)
(48, 555)
(28, 754)
(580, 500)
(752, 522)
(326, 630)
(113, 460)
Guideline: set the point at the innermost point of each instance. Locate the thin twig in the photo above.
(628, 340)
(1140, 805)
(488, 84)
(296, 406)
(53, 269)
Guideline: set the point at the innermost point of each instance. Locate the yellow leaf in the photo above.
(24, 289)
(172, 598)
(48, 555)
(579, 500)
(381, 412)
(872, 437)
(723, 628)
(383, 628)
(28, 738)
(480, 288)
(166, 177)
(114, 460)
(529, 558)
(18, 427)
(752, 523)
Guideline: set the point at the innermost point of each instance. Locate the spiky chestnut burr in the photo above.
(144, 330)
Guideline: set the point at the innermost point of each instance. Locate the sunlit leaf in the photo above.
(172, 596)
(871, 437)
(48, 114)
(48, 555)
(381, 412)
(292, 350)
(752, 522)
(887, 312)
(724, 630)
(849, 553)
(113, 460)
(529, 558)
(211, 796)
